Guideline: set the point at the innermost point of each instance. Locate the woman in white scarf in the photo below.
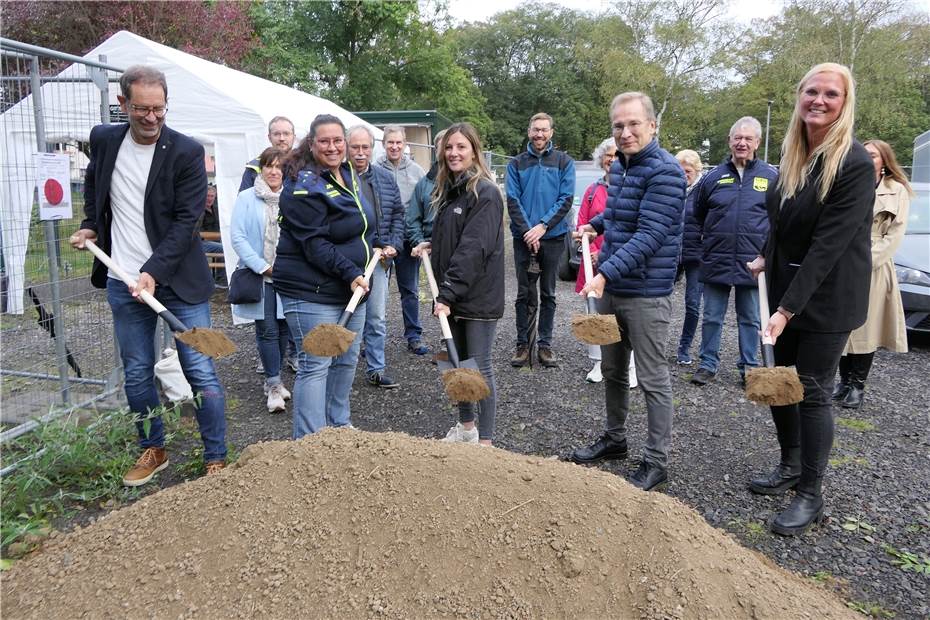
(254, 232)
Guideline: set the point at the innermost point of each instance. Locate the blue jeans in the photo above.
(134, 323)
(271, 336)
(693, 290)
(746, 300)
(212, 246)
(550, 251)
(322, 386)
(375, 327)
(407, 269)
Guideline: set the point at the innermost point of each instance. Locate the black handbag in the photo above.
(245, 287)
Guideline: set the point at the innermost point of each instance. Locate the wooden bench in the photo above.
(215, 260)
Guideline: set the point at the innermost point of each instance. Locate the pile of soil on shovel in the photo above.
(208, 341)
(328, 340)
(596, 328)
(354, 524)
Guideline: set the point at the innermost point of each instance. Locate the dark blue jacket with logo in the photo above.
(734, 222)
(642, 224)
(540, 189)
(691, 239)
(327, 235)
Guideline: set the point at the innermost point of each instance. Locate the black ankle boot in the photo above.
(854, 396)
(804, 510)
(842, 386)
(779, 481)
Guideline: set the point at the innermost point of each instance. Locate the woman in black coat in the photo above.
(817, 263)
(467, 256)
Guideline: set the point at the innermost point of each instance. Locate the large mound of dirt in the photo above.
(352, 524)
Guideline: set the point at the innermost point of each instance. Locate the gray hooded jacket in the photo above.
(406, 174)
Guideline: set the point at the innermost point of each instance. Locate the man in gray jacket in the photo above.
(406, 173)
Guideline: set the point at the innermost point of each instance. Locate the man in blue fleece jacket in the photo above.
(540, 191)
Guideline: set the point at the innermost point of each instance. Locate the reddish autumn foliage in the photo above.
(218, 31)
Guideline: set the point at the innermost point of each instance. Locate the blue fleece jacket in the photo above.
(642, 224)
(540, 189)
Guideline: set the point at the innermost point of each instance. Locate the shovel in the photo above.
(462, 379)
(770, 384)
(332, 339)
(593, 328)
(210, 342)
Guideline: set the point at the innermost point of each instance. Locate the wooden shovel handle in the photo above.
(359, 291)
(102, 256)
(434, 291)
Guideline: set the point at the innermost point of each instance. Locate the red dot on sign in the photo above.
(53, 192)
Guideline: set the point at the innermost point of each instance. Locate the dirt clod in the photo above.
(596, 328)
(777, 386)
(328, 340)
(301, 529)
(465, 385)
(211, 342)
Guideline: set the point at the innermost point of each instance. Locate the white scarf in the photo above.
(271, 200)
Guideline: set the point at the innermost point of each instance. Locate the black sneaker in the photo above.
(381, 380)
(649, 477)
(702, 377)
(605, 448)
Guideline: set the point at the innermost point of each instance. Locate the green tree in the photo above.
(364, 56)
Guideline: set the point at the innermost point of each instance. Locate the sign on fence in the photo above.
(53, 182)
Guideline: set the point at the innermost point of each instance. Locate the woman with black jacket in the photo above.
(326, 240)
(467, 256)
(817, 262)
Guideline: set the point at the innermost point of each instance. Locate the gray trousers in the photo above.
(644, 329)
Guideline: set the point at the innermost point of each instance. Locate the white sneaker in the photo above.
(458, 434)
(633, 381)
(275, 399)
(595, 375)
(285, 394)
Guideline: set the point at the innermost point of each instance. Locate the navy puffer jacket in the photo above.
(734, 222)
(642, 224)
(691, 239)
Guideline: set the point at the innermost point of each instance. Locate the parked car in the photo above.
(912, 261)
(586, 173)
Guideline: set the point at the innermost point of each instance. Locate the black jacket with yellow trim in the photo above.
(327, 234)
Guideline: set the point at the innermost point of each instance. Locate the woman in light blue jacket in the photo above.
(254, 233)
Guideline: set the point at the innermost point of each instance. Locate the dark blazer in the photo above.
(818, 255)
(174, 202)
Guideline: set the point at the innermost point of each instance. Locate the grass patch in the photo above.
(909, 562)
(873, 610)
(80, 461)
(862, 426)
(841, 461)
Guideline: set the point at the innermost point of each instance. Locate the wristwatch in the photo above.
(785, 313)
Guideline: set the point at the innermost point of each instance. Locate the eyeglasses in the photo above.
(143, 111)
(539, 130)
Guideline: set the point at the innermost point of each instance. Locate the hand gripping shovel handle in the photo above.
(359, 291)
(588, 271)
(173, 322)
(443, 319)
(768, 348)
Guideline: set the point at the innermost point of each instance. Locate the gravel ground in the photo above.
(875, 488)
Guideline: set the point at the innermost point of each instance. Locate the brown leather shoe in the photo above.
(215, 467)
(152, 461)
(520, 357)
(547, 357)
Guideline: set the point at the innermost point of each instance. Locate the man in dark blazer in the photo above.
(144, 194)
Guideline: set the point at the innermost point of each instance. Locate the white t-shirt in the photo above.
(130, 246)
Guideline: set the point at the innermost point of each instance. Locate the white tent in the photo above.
(225, 110)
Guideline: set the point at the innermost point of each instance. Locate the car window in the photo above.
(918, 219)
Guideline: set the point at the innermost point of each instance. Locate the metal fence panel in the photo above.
(56, 337)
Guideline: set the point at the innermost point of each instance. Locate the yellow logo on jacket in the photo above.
(760, 184)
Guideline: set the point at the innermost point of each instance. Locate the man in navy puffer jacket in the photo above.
(730, 207)
(642, 227)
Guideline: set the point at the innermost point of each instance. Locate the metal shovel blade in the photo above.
(445, 365)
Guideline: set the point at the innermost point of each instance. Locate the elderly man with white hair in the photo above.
(730, 208)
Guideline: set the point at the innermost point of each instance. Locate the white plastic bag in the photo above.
(169, 373)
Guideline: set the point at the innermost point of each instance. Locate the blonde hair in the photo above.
(479, 169)
(691, 158)
(893, 170)
(797, 159)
